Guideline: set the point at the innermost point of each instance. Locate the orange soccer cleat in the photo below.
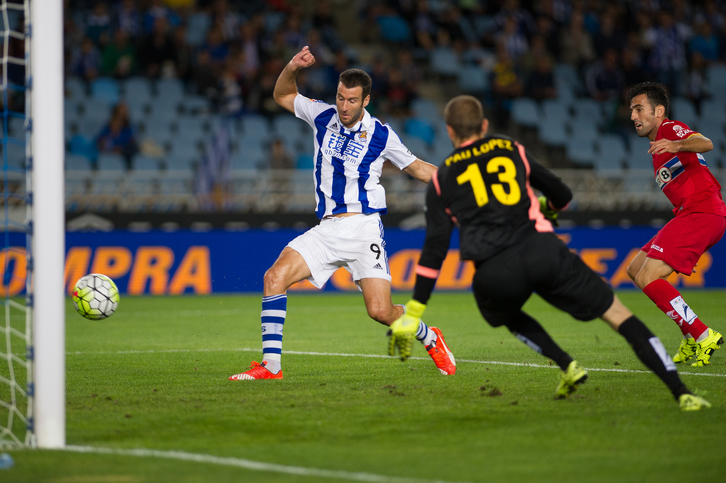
(442, 356)
(257, 371)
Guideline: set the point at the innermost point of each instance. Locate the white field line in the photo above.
(250, 465)
(376, 356)
(227, 312)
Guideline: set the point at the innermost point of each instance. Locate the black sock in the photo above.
(651, 352)
(528, 330)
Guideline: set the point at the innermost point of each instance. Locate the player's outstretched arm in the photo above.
(421, 170)
(286, 87)
(697, 143)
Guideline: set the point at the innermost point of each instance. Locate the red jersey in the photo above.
(684, 177)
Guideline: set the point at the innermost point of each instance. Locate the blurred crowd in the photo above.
(232, 51)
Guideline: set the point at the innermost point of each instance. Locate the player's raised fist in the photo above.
(303, 59)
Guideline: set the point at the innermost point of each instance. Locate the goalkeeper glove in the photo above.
(548, 212)
(403, 330)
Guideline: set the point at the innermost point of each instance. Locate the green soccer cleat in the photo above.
(691, 402)
(705, 349)
(686, 351)
(570, 379)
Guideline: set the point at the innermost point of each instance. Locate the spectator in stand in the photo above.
(547, 29)
(215, 45)
(541, 82)
(604, 79)
(609, 36)
(230, 93)
(157, 10)
(204, 77)
(157, 50)
(705, 43)
(182, 54)
(409, 70)
(324, 22)
(633, 72)
(506, 85)
(528, 62)
(668, 57)
(318, 48)
(512, 39)
(117, 136)
(128, 19)
(379, 85)
(695, 87)
(227, 21)
(398, 94)
(576, 44)
(119, 57)
(250, 46)
(279, 157)
(98, 25)
(424, 26)
(522, 18)
(86, 62)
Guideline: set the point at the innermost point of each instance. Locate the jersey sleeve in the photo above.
(396, 152)
(677, 131)
(541, 178)
(439, 226)
(308, 109)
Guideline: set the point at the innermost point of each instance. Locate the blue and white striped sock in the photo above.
(424, 334)
(274, 310)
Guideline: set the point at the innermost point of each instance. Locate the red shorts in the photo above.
(684, 239)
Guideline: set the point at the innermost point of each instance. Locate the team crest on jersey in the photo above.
(363, 136)
(681, 131)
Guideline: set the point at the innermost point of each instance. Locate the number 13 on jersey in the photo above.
(508, 176)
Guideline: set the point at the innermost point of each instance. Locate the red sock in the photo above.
(669, 300)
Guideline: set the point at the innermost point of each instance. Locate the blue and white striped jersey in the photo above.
(348, 162)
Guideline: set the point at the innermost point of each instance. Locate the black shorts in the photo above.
(542, 264)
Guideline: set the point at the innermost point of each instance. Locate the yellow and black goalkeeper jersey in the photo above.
(486, 188)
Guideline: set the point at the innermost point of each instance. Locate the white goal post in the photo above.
(47, 304)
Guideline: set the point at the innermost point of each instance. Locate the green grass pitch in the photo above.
(154, 376)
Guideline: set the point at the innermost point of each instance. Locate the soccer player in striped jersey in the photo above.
(350, 149)
(485, 187)
(682, 174)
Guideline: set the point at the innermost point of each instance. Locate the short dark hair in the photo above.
(356, 78)
(656, 93)
(465, 115)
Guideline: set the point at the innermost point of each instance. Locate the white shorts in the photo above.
(353, 242)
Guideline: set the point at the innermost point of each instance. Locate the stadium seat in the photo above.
(106, 89)
(198, 24)
(552, 133)
(716, 80)
(147, 164)
(137, 90)
(250, 157)
(713, 110)
(554, 110)
(111, 162)
(587, 110)
(585, 130)
(580, 151)
(444, 61)
(473, 79)
(182, 161)
(254, 125)
(14, 154)
(284, 125)
(525, 112)
(416, 145)
(566, 78)
(611, 153)
(420, 129)
(76, 162)
(426, 109)
(75, 88)
(683, 110)
(637, 155)
(305, 161)
(195, 104)
(441, 150)
(190, 127)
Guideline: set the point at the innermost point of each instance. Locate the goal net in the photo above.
(16, 349)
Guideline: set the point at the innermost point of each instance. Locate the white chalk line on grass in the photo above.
(378, 356)
(250, 464)
(240, 311)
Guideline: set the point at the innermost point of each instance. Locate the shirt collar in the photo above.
(362, 125)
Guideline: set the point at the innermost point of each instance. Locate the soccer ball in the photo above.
(95, 296)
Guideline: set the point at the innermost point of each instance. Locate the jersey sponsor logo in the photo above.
(664, 177)
(343, 147)
(681, 131)
(668, 172)
(656, 247)
(683, 310)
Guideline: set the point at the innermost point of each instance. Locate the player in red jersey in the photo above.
(682, 174)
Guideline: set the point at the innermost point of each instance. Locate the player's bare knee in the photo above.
(380, 313)
(274, 281)
(633, 270)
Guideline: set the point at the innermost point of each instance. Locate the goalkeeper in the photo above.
(486, 188)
